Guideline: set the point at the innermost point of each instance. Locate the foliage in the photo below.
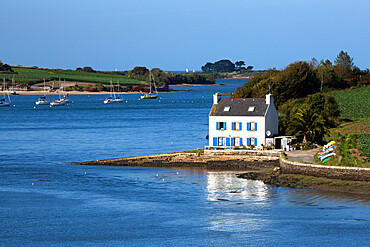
(163, 79)
(364, 146)
(32, 76)
(139, 73)
(343, 65)
(86, 69)
(307, 123)
(191, 78)
(326, 75)
(300, 79)
(5, 67)
(354, 103)
(219, 66)
(239, 64)
(296, 81)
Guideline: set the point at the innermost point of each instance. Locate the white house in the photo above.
(237, 122)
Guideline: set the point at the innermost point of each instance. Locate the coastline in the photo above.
(106, 92)
(256, 167)
(73, 93)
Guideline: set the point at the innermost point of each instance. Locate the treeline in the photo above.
(306, 117)
(300, 79)
(5, 67)
(225, 66)
(163, 79)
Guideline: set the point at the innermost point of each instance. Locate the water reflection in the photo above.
(238, 203)
(226, 186)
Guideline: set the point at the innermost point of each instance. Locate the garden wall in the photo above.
(333, 172)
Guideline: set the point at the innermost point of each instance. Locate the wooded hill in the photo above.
(301, 93)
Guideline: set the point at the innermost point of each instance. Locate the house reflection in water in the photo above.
(226, 190)
(225, 185)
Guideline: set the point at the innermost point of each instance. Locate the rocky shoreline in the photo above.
(254, 167)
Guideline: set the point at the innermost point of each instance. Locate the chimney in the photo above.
(216, 98)
(269, 99)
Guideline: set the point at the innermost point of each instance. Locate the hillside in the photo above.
(353, 104)
(32, 76)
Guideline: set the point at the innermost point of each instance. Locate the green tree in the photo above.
(5, 67)
(219, 66)
(327, 76)
(239, 64)
(343, 65)
(139, 73)
(307, 123)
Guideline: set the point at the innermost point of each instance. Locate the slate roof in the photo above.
(239, 107)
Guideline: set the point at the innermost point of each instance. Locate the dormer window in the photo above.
(251, 108)
(227, 108)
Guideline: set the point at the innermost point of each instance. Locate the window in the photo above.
(237, 141)
(227, 108)
(236, 126)
(251, 108)
(221, 141)
(252, 126)
(220, 125)
(252, 142)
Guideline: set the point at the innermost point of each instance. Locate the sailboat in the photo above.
(117, 98)
(112, 97)
(150, 95)
(3, 101)
(42, 100)
(13, 92)
(65, 97)
(59, 101)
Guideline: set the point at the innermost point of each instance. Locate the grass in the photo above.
(354, 104)
(364, 146)
(32, 76)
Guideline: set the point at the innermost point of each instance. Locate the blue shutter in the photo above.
(255, 126)
(215, 141)
(248, 142)
(224, 125)
(240, 126)
(217, 126)
(248, 128)
(228, 142)
(232, 141)
(232, 126)
(241, 141)
(255, 142)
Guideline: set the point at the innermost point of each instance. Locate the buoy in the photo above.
(34, 107)
(85, 172)
(32, 183)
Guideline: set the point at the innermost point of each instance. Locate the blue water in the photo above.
(44, 201)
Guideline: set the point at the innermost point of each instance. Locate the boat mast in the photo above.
(150, 81)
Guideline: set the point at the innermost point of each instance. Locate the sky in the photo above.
(175, 35)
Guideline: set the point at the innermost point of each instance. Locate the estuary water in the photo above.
(44, 201)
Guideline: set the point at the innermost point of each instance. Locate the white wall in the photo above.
(259, 134)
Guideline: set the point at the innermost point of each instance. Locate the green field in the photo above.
(364, 147)
(32, 76)
(354, 104)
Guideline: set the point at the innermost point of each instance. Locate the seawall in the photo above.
(332, 172)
